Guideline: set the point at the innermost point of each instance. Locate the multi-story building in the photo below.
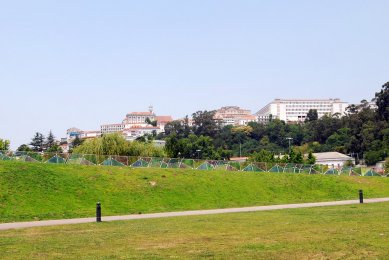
(111, 128)
(73, 133)
(137, 131)
(162, 121)
(233, 115)
(134, 124)
(139, 118)
(296, 110)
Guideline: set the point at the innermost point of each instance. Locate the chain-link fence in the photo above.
(154, 162)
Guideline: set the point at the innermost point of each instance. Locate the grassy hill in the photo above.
(30, 191)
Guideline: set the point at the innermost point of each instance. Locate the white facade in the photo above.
(90, 134)
(134, 125)
(162, 121)
(296, 110)
(233, 115)
(333, 159)
(111, 128)
(136, 122)
(74, 132)
(138, 131)
(138, 118)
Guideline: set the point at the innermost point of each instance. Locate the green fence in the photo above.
(207, 165)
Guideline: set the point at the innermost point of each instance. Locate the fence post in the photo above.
(98, 212)
(361, 196)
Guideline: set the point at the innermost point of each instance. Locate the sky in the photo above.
(87, 63)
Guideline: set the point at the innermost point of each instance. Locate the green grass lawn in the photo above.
(32, 191)
(341, 232)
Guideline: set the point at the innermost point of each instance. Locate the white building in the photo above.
(296, 110)
(111, 128)
(74, 132)
(137, 131)
(139, 118)
(333, 159)
(90, 134)
(134, 124)
(233, 115)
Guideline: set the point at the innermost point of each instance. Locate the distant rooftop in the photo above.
(331, 156)
(141, 113)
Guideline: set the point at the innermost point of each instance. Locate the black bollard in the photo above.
(98, 212)
(361, 196)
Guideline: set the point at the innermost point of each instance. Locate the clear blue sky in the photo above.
(84, 63)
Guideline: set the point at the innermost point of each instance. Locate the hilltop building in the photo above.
(296, 110)
(111, 128)
(233, 115)
(134, 125)
(139, 118)
(74, 132)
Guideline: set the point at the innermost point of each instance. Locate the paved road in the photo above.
(18, 225)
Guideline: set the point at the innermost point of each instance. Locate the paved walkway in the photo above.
(18, 225)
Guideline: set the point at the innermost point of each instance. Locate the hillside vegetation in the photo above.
(31, 191)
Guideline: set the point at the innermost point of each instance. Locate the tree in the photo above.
(4, 145)
(348, 163)
(340, 140)
(77, 142)
(264, 141)
(262, 156)
(298, 158)
(382, 101)
(312, 115)
(116, 144)
(50, 141)
(187, 128)
(196, 147)
(55, 148)
(153, 123)
(205, 124)
(176, 127)
(311, 159)
(24, 148)
(359, 131)
(372, 157)
(277, 130)
(38, 142)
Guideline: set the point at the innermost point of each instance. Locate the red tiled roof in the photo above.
(164, 119)
(249, 117)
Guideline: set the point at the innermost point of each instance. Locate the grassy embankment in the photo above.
(342, 232)
(30, 191)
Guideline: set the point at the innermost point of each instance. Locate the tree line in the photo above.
(40, 143)
(363, 132)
